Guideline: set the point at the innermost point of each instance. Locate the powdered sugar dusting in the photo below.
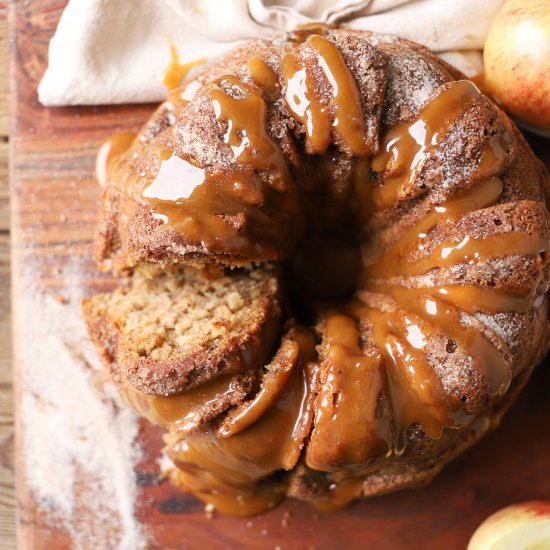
(503, 326)
(78, 442)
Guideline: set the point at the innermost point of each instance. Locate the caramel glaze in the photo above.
(407, 146)
(274, 382)
(446, 254)
(368, 400)
(109, 152)
(230, 211)
(345, 432)
(265, 77)
(179, 412)
(308, 106)
(373, 383)
(176, 71)
(268, 436)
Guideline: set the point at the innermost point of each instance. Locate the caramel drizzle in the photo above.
(469, 250)
(468, 298)
(264, 77)
(406, 146)
(347, 431)
(109, 151)
(245, 123)
(178, 412)
(348, 112)
(307, 106)
(176, 71)
(227, 471)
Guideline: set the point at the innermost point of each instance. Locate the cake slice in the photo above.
(171, 333)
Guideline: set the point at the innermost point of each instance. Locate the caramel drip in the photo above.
(244, 122)
(265, 77)
(274, 382)
(226, 471)
(348, 111)
(494, 154)
(182, 96)
(442, 317)
(211, 207)
(468, 298)
(415, 392)
(301, 33)
(406, 146)
(261, 497)
(176, 71)
(340, 494)
(305, 104)
(470, 250)
(485, 194)
(445, 318)
(178, 412)
(449, 253)
(113, 148)
(348, 429)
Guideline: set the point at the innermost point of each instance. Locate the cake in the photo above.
(335, 255)
(176, 331)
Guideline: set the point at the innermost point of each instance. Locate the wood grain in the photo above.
(53, 158)
(7, 489)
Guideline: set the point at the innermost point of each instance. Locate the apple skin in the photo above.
(517, 60)
(518, 527)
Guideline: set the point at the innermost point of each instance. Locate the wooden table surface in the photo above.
(7, 491)
(515, 423)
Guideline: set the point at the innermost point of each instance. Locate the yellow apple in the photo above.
(517, 60)
(524, 526)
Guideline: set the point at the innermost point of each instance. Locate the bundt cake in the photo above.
(336, 260)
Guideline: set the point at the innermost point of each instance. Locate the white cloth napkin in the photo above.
(117, 51)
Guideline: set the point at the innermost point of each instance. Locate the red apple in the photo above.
(518, 527)
(517, 60)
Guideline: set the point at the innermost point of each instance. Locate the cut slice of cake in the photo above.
(167, 334)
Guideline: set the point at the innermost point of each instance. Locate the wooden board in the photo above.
(7, 489)
(55, 200)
